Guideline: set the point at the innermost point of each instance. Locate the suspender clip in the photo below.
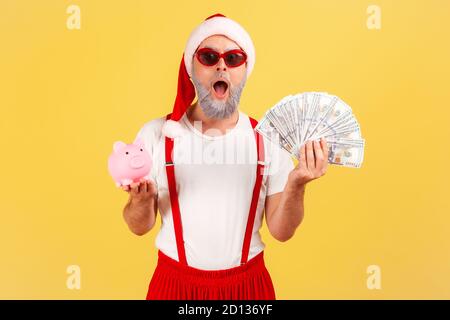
(169, 164)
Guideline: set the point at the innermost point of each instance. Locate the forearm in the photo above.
(289, 214)
(140, 216)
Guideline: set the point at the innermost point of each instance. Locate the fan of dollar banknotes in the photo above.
(310, 116)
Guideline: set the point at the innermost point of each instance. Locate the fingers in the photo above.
(318, 153)
(150, 185)
(152, 188)
(310, 155)
(145, 186)
(323, 143)
(313, 158)
(135, 188)
(140, 187)
(302, 156)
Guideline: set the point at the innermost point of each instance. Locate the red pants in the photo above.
(175, 281)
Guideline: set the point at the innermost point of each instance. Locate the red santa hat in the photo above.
(216, 24)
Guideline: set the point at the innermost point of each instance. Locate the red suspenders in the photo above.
(176, 208)
(256, 189)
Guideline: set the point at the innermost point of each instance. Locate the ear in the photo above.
(139, 142)
(119, 145)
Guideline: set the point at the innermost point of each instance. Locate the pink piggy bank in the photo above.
(129, 162)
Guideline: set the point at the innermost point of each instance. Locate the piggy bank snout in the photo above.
(137, 162)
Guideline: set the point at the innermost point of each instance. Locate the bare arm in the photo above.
(140, 211)
(285, 210)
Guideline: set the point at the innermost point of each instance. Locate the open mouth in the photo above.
(220, 88)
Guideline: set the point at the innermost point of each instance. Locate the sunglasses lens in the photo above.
(234, 59)
(208, 58)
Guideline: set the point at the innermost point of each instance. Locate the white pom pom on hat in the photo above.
(216, 24)
(172, 129)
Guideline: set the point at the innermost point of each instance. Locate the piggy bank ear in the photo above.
(119, 145)
(139, 142)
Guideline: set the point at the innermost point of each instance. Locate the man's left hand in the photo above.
(313, 162)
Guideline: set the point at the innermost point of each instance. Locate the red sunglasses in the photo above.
(233, 58)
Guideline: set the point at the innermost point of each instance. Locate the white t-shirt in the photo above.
(215, 176)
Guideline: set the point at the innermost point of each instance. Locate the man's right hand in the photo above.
(142, 191)
(140, 211)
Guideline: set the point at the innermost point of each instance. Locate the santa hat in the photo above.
(216, 24)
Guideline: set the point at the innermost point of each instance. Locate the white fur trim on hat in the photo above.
(224, 26)
(172, 129)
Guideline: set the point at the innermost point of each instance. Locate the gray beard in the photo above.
(218, 109)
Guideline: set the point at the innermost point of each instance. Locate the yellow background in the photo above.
(67, 95)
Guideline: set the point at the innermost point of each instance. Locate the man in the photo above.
(213, 176)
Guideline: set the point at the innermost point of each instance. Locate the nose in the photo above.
(221, 65)
(137, 162)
